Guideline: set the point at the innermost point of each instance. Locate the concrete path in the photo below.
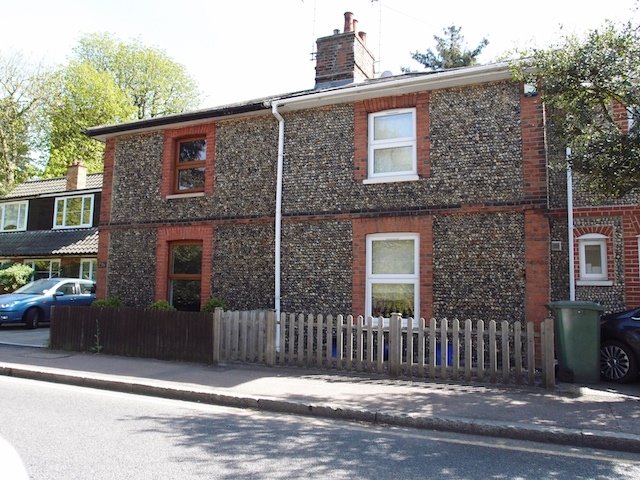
(599, 416)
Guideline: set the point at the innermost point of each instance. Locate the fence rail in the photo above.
(443, 349)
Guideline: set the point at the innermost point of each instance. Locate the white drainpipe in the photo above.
(278, 219)
(572, 280)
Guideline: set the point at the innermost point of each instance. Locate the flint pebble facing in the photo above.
(478, 266)
(132, 266)
(243, 266)
(244, 168)
(317, 267)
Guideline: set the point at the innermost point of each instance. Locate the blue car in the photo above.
(31, 304)
(620, 346)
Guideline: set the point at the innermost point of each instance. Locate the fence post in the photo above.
(215, 330)
(270, 341)
(394, 346)
(549, 356)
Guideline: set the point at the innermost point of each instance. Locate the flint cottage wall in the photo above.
(478, 207)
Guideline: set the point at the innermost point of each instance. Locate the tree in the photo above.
(581, 80)
(450, 51)
(86, 98)
(109, 81)
(156, 85)
(24, 91)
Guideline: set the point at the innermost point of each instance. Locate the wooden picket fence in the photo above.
(435, 349)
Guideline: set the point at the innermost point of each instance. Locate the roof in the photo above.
(33, 188)
(377, 87)
(49, 242)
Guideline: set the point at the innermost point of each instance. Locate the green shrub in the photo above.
(161, 305)
(14, 276)
(212, 304)
(109, 302)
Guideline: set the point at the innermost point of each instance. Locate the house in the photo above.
(51, 225)
(424, 193)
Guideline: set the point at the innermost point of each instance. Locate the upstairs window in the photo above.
(190, 165)
(73, 212)
(593, 257)
(13, 216)
(633, 118)
(392, 145)
(392, 275)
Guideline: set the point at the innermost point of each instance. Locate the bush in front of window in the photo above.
(162, 305)
(109, 302)
(212, 304)
(14, 276)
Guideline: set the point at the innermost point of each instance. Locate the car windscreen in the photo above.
(39, 286)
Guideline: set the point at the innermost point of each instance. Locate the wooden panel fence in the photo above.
(505, 352)
(165, 335)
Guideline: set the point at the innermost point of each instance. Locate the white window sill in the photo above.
(390, 179)
(70, 227)
(184, 195)
(594, 283)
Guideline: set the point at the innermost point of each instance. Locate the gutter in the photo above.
(570, 241)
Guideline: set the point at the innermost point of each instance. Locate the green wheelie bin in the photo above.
(577, 340)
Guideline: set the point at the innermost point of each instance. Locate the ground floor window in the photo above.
(44, 268)
(185, 276)
(392, 275)
(88, 268)
(593, 257)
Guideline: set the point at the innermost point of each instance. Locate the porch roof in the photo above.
(49, 242)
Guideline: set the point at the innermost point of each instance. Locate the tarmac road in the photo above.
(18, 335)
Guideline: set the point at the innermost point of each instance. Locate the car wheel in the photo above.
(617, 362)
(32, 318)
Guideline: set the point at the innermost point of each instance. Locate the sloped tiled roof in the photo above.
(33, 188)
(49, 242)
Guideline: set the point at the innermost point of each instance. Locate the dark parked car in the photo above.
(31, 304)
(620, 345)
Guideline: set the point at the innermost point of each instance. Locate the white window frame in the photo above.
(32, 261)
(93, 268)
(373, 145)
(596, 279)
(64, 213)
(414, 278)
(19, 228)
(630, 116)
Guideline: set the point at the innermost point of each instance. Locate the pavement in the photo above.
(604, 416)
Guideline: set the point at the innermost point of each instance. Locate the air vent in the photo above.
(556, 246)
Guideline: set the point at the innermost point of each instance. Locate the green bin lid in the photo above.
(582, 305)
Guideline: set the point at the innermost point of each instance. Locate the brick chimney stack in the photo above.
(343, 58)
(77, 176)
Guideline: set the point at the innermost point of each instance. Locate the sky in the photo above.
(240, 50)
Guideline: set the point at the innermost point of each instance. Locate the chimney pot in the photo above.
(363, 36)
(336, 31)
(348, 22)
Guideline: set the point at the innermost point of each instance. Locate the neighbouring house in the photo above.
(51, 225)
(424, 193)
